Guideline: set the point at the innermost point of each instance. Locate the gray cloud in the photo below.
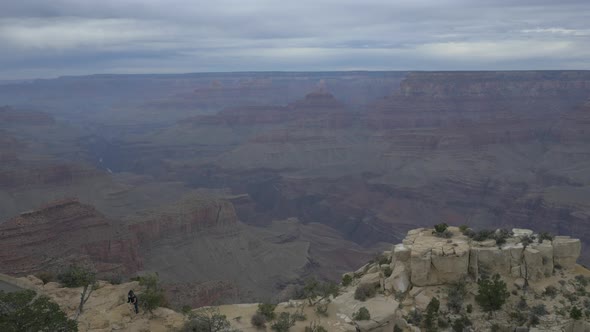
(59, 37)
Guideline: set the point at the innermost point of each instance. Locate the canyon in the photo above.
(238, 186)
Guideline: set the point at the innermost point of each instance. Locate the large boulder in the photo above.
(399, 280)
(373, 279)
(566, 251)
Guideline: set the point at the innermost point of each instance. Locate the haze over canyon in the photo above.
(238, 186)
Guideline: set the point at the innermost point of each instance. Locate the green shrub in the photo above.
(346, 280)
(440, 228)
(518, 317)
(545, 236)
(361, 314)
(483, 235)
(539, 310)
(461, 323)
(114, 279)
(550, 291)
(492, 293)
(443, 323)
(397, 329)
(152, 295)
(455, 296)
(207, 320)
(364, 292)
(431, 318)
(186, 309)
(258, 320)
(315, 291)
(463, 228)
(26, 311)
(534, 320)
(469, 308)
(582, 280)
(322, 309)
(575, 313)
(267, 310)
(77, 276)
(315, 327)
(283, 323)
(414, 317)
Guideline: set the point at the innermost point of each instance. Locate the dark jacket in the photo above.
(131, 298)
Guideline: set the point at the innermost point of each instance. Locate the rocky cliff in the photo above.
(540, 273)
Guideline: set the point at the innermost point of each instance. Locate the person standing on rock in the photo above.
(131, 298)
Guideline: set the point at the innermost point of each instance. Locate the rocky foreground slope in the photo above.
(542, 276)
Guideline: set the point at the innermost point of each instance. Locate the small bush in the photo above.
(443, 323)
(322, 309)
(440, 228)
(267, 310)
(283, 323)
(545, 236)
(361, 314)
(364, 292)
(299, 316)
(455, 295)
(461, 323)
(518, 317)
(114, 279)
(77, 276)
(414, 317)
(258, 320)
(397, 329)
(207, 320)
(483, 235)
(526, 240)
(153, 295)
(186, 309)
(575, 313)
(539, 310)
(463, 228)
(315, 327)
(469, 308)
(46, 276)
(534, 320)
(550, 291)
(582, 280)
(492, 293)
(346, 280)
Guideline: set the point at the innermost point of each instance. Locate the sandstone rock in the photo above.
(546, 249)
(490, 261)
(374, 268)
(362, 269)
(401, 253)
(519, 283)
(436, 261)
(487, 243)
(521, 232)
(399, 280)
(373, 279)
(566, 251)
(534, 264)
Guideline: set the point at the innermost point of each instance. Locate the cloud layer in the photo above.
(61, 37)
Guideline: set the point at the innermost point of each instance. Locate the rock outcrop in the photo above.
(435, 260)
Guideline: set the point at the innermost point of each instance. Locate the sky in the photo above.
(50, 38)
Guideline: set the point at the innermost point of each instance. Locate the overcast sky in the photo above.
(46, 38)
